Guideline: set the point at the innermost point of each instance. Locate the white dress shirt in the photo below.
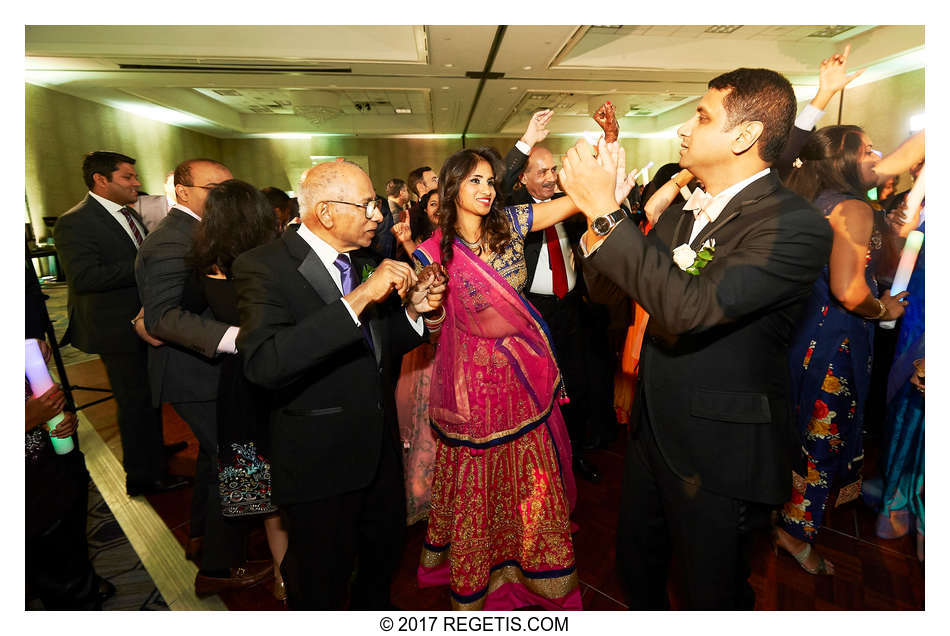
(721, 200)
(543, 282)
(113, 208)
(327, 255)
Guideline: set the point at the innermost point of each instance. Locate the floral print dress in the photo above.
(830, 360)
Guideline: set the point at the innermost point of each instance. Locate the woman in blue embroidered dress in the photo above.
(830, 356)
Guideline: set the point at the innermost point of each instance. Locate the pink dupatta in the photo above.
(494, 375)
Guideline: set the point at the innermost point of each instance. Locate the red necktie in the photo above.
(127, 213)
(556, 258)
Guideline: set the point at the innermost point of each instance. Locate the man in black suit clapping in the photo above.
(327, 345)
(712, 449)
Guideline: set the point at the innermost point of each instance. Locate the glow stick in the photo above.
(40, 383)
(645, 173)
(905, 268)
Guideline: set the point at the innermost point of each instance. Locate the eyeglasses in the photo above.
(203, 187)
(369, 207)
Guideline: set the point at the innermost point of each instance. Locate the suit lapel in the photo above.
(752, 193)
(371, 315)
(118, 232)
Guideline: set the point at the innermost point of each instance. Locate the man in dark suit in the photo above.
(328, 347)
(97, 241)
(185, 373)
(557, 291)
(713, 447)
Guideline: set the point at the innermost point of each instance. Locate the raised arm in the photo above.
(901, 159)
(517, 157)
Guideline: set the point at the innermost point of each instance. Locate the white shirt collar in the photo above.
(110, 206)
(324, 251)
(722, 199)
(186, 210)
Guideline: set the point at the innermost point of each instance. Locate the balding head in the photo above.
(331, 195)
(540, 174)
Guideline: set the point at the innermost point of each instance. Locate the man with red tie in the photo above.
(554, 284)
(97, 241)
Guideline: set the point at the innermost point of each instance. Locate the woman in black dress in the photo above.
(237, 217)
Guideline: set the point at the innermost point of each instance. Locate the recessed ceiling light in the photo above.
(445, 88)
(527, 68)
(403, 111)
(513, 88)
(445, 108)
(449, 65)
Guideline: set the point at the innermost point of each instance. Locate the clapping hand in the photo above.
(590, 181)
(606, 118)
(625, 182)
(429, 290)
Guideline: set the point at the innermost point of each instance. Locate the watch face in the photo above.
(601, 225)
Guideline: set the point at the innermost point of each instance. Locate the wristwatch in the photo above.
(603, 224)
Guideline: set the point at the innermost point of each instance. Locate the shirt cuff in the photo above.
(522, 147)
(416, 324)
(583, 245)
(352, 313)
(809, 117)
(227, 344)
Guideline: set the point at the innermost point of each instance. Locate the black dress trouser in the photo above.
(328, 536)
(707, 536)
(140, 423)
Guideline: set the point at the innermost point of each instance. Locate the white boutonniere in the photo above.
(691, 262)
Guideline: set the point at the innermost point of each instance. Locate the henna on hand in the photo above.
(606, 118)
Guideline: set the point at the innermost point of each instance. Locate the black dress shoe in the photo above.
(106, 590)
(169, 482)
(173, 449)
(586, 470)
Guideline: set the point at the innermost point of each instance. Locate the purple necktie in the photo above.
(348, 279)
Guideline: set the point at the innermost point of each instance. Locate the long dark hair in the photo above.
(455, 169)
(422, 226)
(237, 217)
(829, 161)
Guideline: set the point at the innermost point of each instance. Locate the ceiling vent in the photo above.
(226, 92)
(831, 31)
(723, 28)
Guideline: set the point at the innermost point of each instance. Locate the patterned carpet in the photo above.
(115, 560)
(56, 306)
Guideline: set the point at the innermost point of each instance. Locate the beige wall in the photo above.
(61, 129)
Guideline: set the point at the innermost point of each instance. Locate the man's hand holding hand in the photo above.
(141, 332)
(389, 275)
(429, 291)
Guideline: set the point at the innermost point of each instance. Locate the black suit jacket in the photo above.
(714, 366)
(185, 368)
(333, 405)
(98, 258)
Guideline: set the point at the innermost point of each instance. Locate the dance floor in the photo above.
(871, 573)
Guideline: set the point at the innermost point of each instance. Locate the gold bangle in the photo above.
(883, 310)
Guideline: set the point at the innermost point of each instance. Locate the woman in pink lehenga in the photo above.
(502, 491)
(412, 391)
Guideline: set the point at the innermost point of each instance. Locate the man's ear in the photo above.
(322, 212)
(748, 133)
(99, 180)
(522, 180)
(181, 193)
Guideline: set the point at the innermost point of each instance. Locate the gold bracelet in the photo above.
(883, 310)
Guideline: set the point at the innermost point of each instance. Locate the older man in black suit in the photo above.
(713, 448)
(328, 346)
(97, 241)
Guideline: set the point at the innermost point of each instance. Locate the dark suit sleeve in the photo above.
(776, 263)
(514, 164)
(403, 336)
(276, 348)
(80, 246)
(36, 316)
(162, 272)
(796, 140)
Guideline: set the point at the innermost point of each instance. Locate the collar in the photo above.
(726, 195)
(324, 251)
(186, 211)
(110, 206)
